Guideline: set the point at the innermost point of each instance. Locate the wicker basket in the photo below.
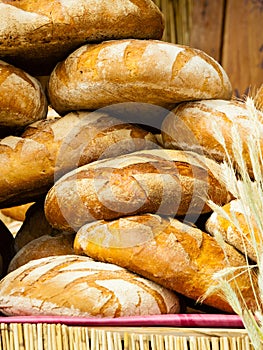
(43, 336)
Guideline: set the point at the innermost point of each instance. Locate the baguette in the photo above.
(35, 35)
(195, 126)
(22, 100)
(144, 71)
(56, 146)
(167, 251)
(158, 181)
(78, 286)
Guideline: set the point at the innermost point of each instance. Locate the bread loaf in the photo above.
(41, 247)
(37, 34)
(59, 145)
(195, 126)
(158, 181)
(146, 71)
(167, 251)
(78, 286)
(238, 227)
(22, 100)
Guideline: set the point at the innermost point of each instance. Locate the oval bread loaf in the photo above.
(158, 181)
(237, 226)
(78, 286)
(167, 251)
(56, 146)
(199, 126)
(147, 71)
(22, 99)
(37, 34)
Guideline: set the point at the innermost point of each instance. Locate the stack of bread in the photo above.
(118, 181)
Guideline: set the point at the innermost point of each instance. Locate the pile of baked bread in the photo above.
(109, 142)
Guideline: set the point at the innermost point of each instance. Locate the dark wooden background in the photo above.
(231, 31)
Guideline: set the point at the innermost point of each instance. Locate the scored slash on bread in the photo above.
(161, 181)
(147, 71)
(169, 252)
(199, 126)
(235, 228)
(22, 100)
(79, 286)
(37, 34)
(48, 149)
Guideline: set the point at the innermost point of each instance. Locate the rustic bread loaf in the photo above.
(56, 146)
(195, 126)
(147, 71)
(22, 99)
(78, 286)
(167, 251)
(238, 227)
(158, 181)
(37, 34)
(41, 247)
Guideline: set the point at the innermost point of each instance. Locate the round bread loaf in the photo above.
(199, 126)
(78, 286)
(56, 146)
(37, 34)
(237, 226)
(22, 99)
(41, 247)
(167, 251)
(147, 71)
(157, 181)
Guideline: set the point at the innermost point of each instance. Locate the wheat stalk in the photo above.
(249, 191)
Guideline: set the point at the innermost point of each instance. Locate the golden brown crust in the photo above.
(56, 146)
(166, 251)
(38, 34)
(22, 99)
(158, 181)
(236, 230)
(146, 71)
(78, 286)
(194, 126)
